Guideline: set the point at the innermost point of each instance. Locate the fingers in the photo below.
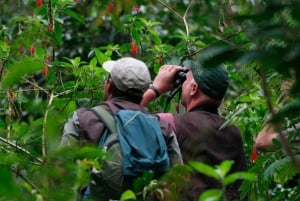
(170, 68)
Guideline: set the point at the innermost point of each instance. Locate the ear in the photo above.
(194, 89)
(109, 85)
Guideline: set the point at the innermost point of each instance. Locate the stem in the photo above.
(184, 18)
(171, 9)
(178, 15)
(9, 115)
(19, 174)
(19, 148)
(44, 126)
(281, 136)
(50, 15)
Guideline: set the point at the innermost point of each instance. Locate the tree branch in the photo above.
(19, 148)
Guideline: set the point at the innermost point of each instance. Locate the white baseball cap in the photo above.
(128, 73)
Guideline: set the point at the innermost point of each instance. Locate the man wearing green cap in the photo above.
(198, 130)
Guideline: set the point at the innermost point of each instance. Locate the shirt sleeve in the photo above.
(170, 118)
(174, 150)
(71, 132)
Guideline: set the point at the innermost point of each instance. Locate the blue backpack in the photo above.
(134, 143)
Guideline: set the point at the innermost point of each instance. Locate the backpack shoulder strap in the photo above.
(110, 135)
(105, 117)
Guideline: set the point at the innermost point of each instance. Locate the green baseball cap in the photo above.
(212, 81)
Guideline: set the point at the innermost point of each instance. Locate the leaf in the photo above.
(128, 195)
(211, 195)
(225, 167)
(205, 169)
(282, 170)
(21, 68)
(238, 175)
(100, 56)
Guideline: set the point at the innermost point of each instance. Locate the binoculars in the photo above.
(180, 77)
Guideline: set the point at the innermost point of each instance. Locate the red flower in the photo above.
(110, 8)
(253, 156)
(134, 49)
(32, 50)
(136, 8)
(45, 70)
(39, 3)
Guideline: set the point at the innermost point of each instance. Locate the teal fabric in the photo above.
(134, 144)
(142, 143)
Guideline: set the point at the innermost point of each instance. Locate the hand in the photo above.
(265, 137)
(164, 80)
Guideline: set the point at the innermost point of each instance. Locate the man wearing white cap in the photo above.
(128, 79)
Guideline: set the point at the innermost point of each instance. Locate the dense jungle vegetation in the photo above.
(51, 56)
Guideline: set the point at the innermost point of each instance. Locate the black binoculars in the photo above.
(180, 77)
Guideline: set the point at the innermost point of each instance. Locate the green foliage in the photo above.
(220, 173)
(50, 64)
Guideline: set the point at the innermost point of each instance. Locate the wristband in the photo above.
(153, 88)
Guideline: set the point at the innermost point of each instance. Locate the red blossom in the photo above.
(110, 8)
(136, 8)
(39, 3)
(134, 49)
(45, 70)
(253, 156)
(32, 50)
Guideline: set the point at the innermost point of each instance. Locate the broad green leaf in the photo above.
(128, 195)
(225, 167)
(211, 195)
(205, 169)
(100, 56)
(19, 69)
(245, 99)
(237, 176)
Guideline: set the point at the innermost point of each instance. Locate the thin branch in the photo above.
(44, 126)
(281, 136)
(184, 18)
(19, 174)
(19, 148)
(171, 9)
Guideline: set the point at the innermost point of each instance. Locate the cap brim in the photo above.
(108, 65)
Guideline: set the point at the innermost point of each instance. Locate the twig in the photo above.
(19, 148)
(171, 9)
(9, 116)
(19, 174)
(184, 18)
(44, 126)
(178, 15)
(281, 136)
